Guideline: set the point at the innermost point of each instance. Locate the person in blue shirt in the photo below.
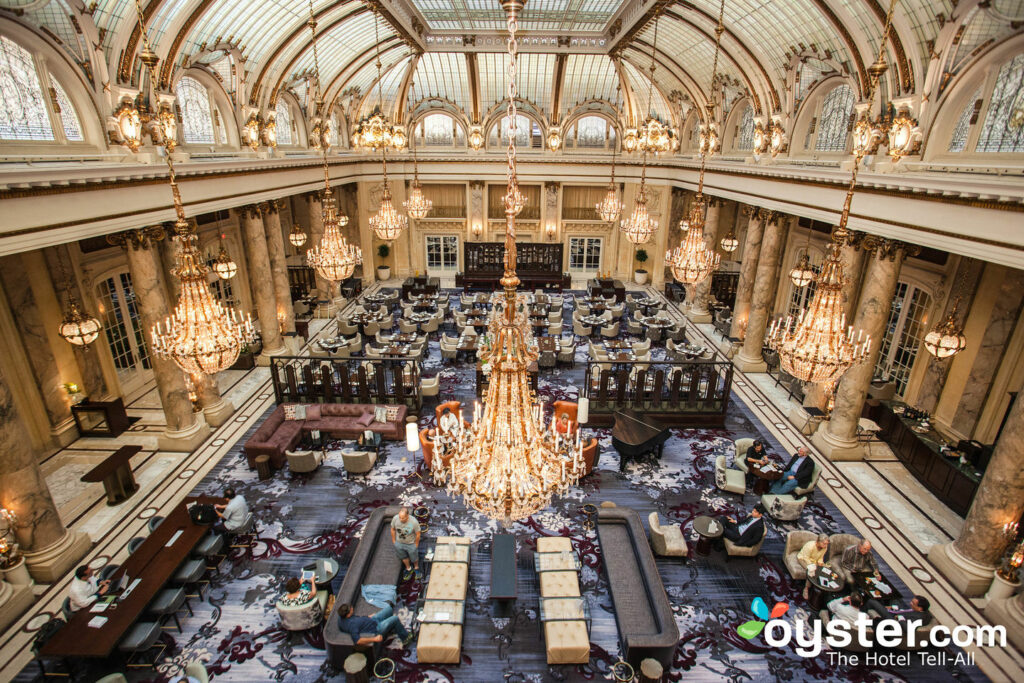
(798, 473)
(371, 629)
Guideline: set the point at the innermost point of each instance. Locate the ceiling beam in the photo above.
(556, 94)
(403, 89)
(473, 75)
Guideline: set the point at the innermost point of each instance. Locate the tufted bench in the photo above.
(439, 642)
(559, 585)
(565, 620)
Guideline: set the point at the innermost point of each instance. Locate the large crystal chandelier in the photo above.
(817, 346)
(334, 259)
(201, 335)
(692, 261)
(375, 132)
(652, 136)
(387, 224)
(511, 461)
(417, 205)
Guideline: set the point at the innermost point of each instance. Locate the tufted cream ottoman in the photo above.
(567, 642)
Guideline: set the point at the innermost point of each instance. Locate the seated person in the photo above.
(85, 589)
(565, 425)
(859, 560)
(448, 421)
(798, 473)
(757, 454)
(747, 533)
(298, 592)
(813, 553)
(847, 608)
(371, 629)
(232, 514)
(920, 611)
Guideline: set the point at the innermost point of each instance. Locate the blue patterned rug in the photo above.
(236, 631)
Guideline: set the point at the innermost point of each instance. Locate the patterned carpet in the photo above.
(236, 631)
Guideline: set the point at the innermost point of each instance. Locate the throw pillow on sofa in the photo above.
(313, 412)
(380, 414)
(300, 412)
(289, 412)
(392, 413)
(365, 419)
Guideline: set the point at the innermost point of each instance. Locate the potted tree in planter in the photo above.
(640, 275)
(12, 562)
(383, 270)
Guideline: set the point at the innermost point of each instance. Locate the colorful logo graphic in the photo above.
(753, 628)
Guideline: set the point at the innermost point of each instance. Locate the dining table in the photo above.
(363, 319)
(617, 344)
(594, 321)
(648, 305)
(549, 344)
(394, 349)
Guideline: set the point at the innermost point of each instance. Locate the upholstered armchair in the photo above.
(837, 543)
(430, 386)
(358, 462)
(428, 448)
(589, 456)
(742, 445)
(795, 541)
(733, 550)
(454, 406)
(571, 408)
(666, 540)
(784, 508)
(305, 616)
(728, 479)
(300, 462)
(810, 486)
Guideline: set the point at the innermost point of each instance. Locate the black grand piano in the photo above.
(635, 436)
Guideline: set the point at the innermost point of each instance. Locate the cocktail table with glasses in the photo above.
(880, 589)
(442, 612)
(822, 584)
(708, 529)
(764, 476)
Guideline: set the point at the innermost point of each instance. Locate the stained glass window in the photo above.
(745, 138)
(523, 127)
(196, 117)
(284, 123)
(23, 113)
(834, 122)
(68, 117)
(589, 132)
(437, 130)
(1004, 124)
(958, 141)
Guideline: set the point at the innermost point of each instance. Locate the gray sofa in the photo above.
(643, 613)
(374, 561)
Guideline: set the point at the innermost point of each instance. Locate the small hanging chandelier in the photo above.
(554, 138)
(78, 328)
(777, 140)
(947, 339)
(417, 205)
(388, 224)
(251, 132)
(640, 227)
(692, 261)
(709, 141)
(510, 461)
(802, 273)
(610, 206)
(224, 266)
(729, 243)
(297, 236)
(760, 139)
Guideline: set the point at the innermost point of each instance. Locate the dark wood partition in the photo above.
(537, 265)
(305, 379)
(681, 393)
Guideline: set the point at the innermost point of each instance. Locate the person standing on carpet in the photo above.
(405, 534)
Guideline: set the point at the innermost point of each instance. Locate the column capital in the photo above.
(773, 217)
(139, 238)
(887, 249)
(250, 211)
(271, 206)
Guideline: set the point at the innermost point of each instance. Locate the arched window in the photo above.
(436, 130)
(283, 119)
(23, 113)
(196, 113)
(68, 117)
(968, 117)
(745, 134)
(527, 132)
(834, 121)
(1003, 130)
(590, 132)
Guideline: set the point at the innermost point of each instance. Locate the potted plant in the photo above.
(640, 275)
(12, 562)
(383, 270)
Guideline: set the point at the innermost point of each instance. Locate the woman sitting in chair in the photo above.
(298, 592)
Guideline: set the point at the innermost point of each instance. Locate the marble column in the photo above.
(90, 372)
(748, 271)
(698, 311)
(852, 257)
(262, 282)
(216, 409)
(837, 437)
(749, 358)
(316, 233)
(185, 431)
(50, 549)
(279, 266)
(969, 561)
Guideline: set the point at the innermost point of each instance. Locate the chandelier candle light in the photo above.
(224, 266)
(334, 259)
(692, 261)
(817, 346)
(511, 461)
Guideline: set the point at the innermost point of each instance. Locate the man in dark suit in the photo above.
(747, 533)
(798, 473)
(920, 611)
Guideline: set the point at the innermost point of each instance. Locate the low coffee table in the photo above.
(503, 574)
(764, 478)
(326, 569)
(821, 587)
(708, 528)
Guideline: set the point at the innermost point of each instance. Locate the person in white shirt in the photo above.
(233, 513)
(85, 589)
(448, 421)
(847, 608)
